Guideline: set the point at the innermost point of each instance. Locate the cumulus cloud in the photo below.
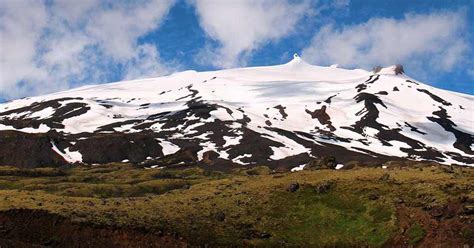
(145, 63)
(242, 26)
(18, 36)
(50, 45)
(118, 28)
(433, 42)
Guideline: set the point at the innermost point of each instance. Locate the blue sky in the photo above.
(53, 45)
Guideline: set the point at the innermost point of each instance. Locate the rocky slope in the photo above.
(283, 115)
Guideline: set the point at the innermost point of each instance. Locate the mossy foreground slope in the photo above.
(122, 206)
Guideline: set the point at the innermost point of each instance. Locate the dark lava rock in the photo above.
(385, 177)
(466, 199)
(399, 69)
(322, 116)
(324, 187)
(265, 235)
(328, 162)
(256, 234)
(468, 209)
(220, 216)
(448, 169)
(374, 196)
(186, 186)
(39, 228)
(293, 187)
(209, 157)
(114, 147)
(437, 212)
(38, 147)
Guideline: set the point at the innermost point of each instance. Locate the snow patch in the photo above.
(238, 158)
(298, 168)
(43, 114)
(69, 156)
(41, 129)
(230, 141)
(168, 147)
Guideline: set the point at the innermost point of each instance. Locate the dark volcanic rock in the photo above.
(210, 155)
(328, 162)
(328, 100)
(39, 228)
(322, 117)
(468, 209)
(374, 196)
(28, 150)
(361, 87)
(281, 109)
(323, 187)
(435, 97)
(115, 147)
(62, 111)
(464, 140)
(219, 216)
(258, 146)
(399, 69)
(293, 187)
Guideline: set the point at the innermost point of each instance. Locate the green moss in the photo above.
(332, 219)
(381, 213)
(467, 233)
(159, 186)
(258, 170)
(415, 234)
(189, 173)
(8, 184)
(38, 172)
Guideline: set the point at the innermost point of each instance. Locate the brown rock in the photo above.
(323, 187)
(293, 187)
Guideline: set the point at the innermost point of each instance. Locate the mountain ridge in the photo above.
(282, 115)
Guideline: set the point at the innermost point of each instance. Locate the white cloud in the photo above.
(243, 26)
(433, 42)
(46, 45)
(20, 25)
(145, 63)
(118, 28)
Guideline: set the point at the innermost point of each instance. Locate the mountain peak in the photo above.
(297, 60)
(390, 70)
(296, 56)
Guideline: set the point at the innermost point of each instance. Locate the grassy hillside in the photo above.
(419, 205)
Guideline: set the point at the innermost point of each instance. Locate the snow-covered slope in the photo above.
(253, 115)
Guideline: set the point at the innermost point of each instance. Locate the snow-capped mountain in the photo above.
(284, 114)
